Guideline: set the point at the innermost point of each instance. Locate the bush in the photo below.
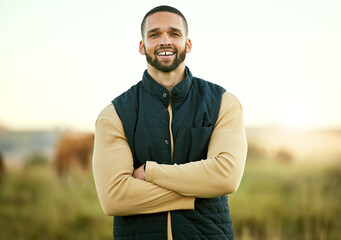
(36, 159)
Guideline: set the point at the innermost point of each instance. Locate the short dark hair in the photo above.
(163, 8)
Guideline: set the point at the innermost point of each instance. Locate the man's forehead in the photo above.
(164, 19)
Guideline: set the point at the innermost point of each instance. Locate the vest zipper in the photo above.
(170, 112)
(170, 127)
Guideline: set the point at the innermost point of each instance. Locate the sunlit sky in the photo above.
(62, 62)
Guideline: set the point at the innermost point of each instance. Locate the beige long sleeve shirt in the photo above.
(167, 187)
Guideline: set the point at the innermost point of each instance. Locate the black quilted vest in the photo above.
(143, 112)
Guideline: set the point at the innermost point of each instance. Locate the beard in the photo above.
(166, 68)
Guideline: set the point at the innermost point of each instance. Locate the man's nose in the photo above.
(165, 39)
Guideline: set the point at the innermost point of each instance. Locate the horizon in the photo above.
(61, 129)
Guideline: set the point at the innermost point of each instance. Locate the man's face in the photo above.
(165, 43)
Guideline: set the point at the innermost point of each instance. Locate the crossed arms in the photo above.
(167, 187)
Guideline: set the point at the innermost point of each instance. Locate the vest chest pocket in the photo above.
(200, 137)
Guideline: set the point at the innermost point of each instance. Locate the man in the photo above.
(169, 150)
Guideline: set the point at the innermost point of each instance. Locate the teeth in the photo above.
(165, 53)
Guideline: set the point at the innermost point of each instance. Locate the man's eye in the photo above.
(153, 35)
(175, 34)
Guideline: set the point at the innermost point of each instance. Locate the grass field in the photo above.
(284, 201)
(275, 201)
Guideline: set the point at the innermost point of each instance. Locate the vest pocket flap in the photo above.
(202, 124)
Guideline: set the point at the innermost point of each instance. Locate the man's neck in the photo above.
(170, 79)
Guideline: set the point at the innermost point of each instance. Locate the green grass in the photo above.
(284, 201)
(274, 201)
(35, 204)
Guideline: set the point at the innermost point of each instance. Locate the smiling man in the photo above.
(165, 46)
(170, 149)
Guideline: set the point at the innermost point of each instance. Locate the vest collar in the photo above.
(179, 92)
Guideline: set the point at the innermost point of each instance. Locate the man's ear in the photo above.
(141, 48)
(188, 45)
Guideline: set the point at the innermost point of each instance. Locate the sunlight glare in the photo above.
(298, 115)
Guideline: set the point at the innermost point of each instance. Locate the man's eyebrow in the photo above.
(174, 29)
(170, 28)
(154, 30)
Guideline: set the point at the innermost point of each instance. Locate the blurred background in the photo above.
(62, 62)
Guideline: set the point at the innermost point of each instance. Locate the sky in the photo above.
(62, 62)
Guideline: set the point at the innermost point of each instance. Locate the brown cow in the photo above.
(2, 167)
(74, 149)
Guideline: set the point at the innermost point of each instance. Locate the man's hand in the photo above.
(139, 173)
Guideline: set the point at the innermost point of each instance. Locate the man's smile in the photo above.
(165, 53)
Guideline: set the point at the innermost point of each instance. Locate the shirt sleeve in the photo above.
(222, 171)
(119, 193)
